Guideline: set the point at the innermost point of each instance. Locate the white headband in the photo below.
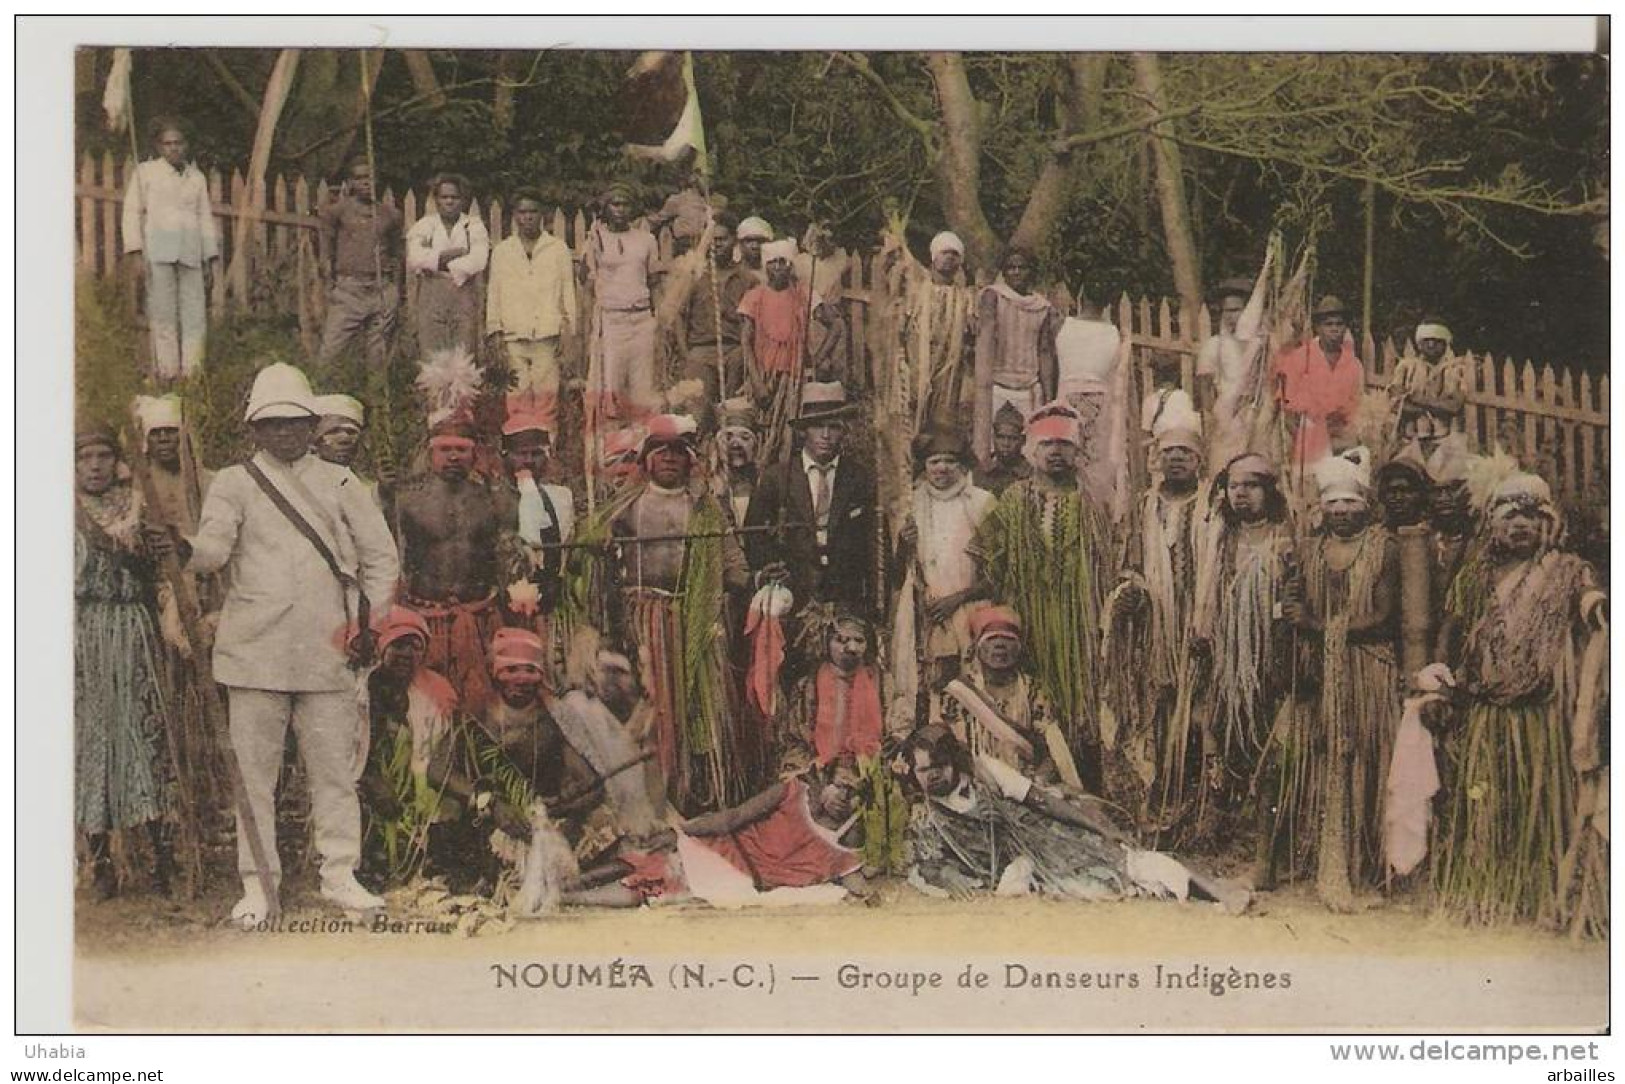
(946, 241)
(1432, 331)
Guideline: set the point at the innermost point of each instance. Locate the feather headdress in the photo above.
(1485, 475)
(449, 381)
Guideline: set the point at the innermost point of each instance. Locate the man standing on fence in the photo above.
(169, 235)
(622, 262)
(1430, 387)
(359, 246)
(754, 232)
(532, 298)
(447, 250)
(1318, 382)
(708, 330)
(1225, 362)
(1015, 346)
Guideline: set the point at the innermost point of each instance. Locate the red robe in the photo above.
(786, 848)
(1313, 389)
(855, 731)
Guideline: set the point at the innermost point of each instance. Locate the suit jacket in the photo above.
(843, 572)
(168, 215)
(285, 611)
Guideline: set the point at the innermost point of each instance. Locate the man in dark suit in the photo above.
(823, 507)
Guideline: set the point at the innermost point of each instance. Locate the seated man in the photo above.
(509, 756)
(412, 711)
(982, 826)
(997, 710)
(834, 714)
(591, 720)
(797, 842)
(835, 711)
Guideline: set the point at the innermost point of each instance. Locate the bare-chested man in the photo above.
(677, 561)
(449, 524)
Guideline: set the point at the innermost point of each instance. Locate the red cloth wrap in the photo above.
(458, 635)
(785, 849)
(858, 734)
(766, 657)
(654, 873)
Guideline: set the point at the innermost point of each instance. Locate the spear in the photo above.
(386, 450)
(645, 540)
(812, 294)
(716, 293)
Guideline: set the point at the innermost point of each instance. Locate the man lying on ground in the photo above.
(982, 826)
(797, 842)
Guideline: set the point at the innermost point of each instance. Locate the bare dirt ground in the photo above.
(149, 965)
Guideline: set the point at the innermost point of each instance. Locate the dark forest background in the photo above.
(1473, 187)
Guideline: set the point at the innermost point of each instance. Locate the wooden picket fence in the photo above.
(1554, 419)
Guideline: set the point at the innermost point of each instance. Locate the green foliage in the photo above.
(110, 366)
(109, 351)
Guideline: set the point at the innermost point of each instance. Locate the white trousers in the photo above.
(178, 314)
(326, 726)
(624, 379)
(535, 363)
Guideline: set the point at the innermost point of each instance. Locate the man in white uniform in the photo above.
(169, 236)
(281, 648)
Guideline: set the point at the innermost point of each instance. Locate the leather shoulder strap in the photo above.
(300, 523)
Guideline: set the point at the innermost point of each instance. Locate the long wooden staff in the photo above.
(386, 454)
(812, 296)
(716, 292)
(203, 673)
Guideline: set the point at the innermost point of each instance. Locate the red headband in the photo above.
(513, 647)
(401, 622)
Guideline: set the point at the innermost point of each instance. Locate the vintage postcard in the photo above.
(838, 540)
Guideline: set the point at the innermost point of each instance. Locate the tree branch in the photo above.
(959, 166)
(417, 99)
(239, 93)
(926, 130)
(1068, 143)
(423, 76)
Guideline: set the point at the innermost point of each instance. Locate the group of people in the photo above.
(775, 639)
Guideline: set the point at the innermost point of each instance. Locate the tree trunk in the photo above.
(424, 80)
(1048, 196)
(239, 93)
(372, 61)
(1170, 183)
(959, 166)
(1368, 281)
(275, 97)
(502, 93)
(1080, 113)
(1089, 80)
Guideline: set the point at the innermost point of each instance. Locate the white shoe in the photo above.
(349, 895)
(252, 909)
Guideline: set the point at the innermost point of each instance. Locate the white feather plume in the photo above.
(548, 867)
(1485, 475)
(449, 381)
